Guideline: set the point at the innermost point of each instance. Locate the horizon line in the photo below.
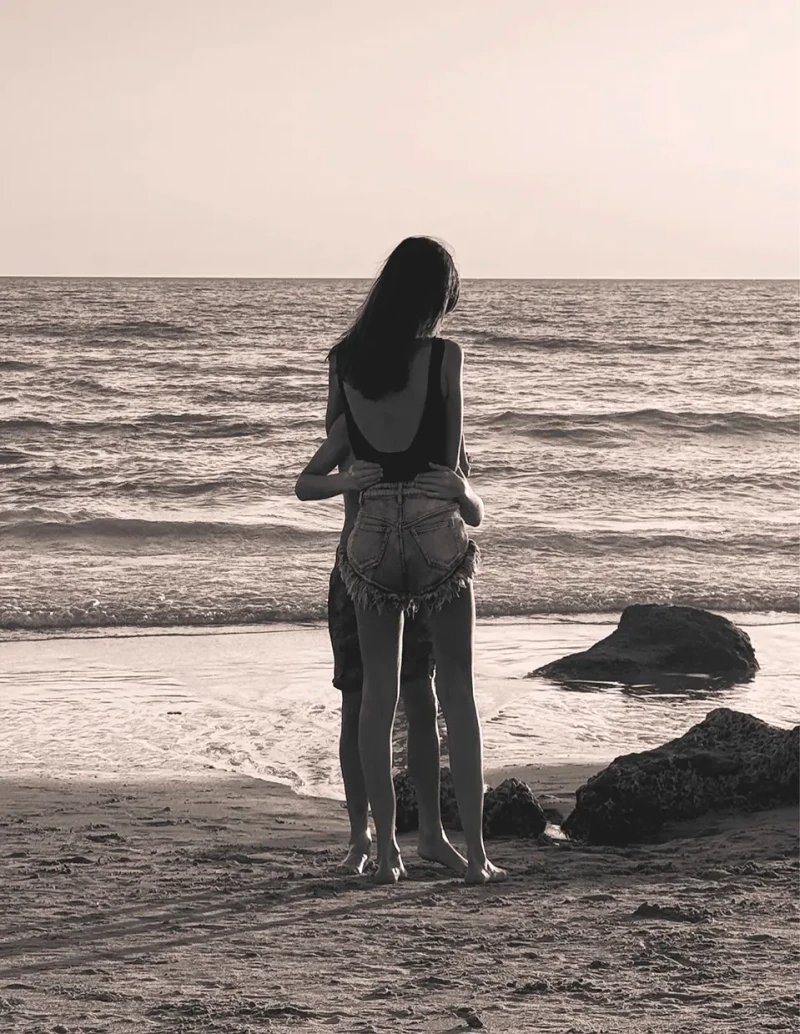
(173, 276)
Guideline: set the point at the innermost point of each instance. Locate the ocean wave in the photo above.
(25, 514)
(626, 544)
(17, 364)
(579, 344)
(198, 425)
(144, 328)
(686, 421)
(547, 344)
(96, 332)
(153, 614)
(160, 612)
(163, 487)
(50, 527)
(654, 347)
(655, 479)
(23, 423)
(90, 384)
(219, 425)
(9, 456)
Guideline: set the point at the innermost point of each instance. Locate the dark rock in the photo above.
(407, 814)
(509, 810)
(407, 810)
(729, 761)
(652, 639)
(512, 810)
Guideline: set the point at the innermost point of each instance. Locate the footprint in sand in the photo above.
(672, 913)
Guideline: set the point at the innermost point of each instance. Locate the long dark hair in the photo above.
(416, 287)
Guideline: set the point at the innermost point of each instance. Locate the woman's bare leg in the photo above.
(424, 766)
(452, 631)
(379, 636)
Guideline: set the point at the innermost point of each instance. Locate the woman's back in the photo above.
(391, 423)
(404, 431)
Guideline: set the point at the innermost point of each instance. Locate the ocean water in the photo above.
(632, 440)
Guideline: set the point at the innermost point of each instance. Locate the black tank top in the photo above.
(429, 443)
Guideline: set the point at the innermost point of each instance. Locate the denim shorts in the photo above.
(406, 551)
(348, 672)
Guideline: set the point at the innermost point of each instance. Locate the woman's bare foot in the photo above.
(439, 849)
(391, 869)
(484, 872)
(357, 856)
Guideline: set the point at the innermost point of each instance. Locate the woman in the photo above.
(400, 388)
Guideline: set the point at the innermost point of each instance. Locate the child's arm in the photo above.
(317, 482)
(471, 505)
(443, 483)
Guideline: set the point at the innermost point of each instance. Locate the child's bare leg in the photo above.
(424, 764)
(354, 789)
(379, 635)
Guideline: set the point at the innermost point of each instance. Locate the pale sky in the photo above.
(591, 138)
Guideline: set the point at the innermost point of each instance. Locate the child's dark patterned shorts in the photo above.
(347, 672)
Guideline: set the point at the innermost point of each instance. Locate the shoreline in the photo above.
(583, 618)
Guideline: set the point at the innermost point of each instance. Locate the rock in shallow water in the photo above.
(511, 809)
(652, 639)
(729, 761)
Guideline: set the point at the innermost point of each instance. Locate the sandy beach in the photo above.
(211, 904)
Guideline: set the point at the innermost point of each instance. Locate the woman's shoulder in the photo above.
(452, 354)
(452, 364)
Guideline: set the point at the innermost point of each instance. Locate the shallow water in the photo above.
(259, 701)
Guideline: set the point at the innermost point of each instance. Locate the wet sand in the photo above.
(211, 904)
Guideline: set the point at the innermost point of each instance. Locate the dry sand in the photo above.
(211, 905)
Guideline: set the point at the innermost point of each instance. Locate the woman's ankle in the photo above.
(476, 854)
(360, 837)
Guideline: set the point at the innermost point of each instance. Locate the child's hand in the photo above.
(362, 475)
(440, 482)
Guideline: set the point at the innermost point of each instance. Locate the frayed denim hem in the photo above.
(369, 596)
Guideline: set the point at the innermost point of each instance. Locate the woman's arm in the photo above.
(335, 405)
(463, 459)
(453, 391)
(317, 482)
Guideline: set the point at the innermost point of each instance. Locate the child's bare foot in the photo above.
(439, 849)
(391, 869)
(484, 872)
(357, 857)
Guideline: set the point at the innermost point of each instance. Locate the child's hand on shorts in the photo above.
(440, 482)
(362, 475)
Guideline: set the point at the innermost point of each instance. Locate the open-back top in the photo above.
(428, 444)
